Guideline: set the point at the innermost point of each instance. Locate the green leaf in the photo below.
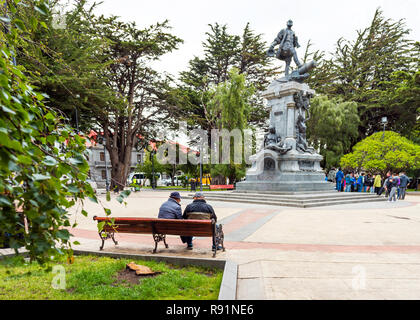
(50, 161)
(49, 116)
(24, 159)
(101, 226)
(42, 9)
(125, 193)
(73, 189)
(38, 177)
(19, 24)
(93, 199)
(34, 203)
(84, 212)
(108, 196)
(63, 234)
(7, 110)
(4, 19)
(5, 201)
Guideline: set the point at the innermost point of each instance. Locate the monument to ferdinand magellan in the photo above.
(286, 163)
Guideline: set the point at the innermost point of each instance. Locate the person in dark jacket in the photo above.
(404, 181)
(171, 209)
(199, 209)
(392, 185)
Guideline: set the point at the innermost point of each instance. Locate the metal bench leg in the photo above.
(218, 239)
(113, 239)
(164, 241)
(156, 243)
(222, 237)
(215, 244)
(158, 238)
(104, 235)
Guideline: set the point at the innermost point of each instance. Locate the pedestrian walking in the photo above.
(392, 184)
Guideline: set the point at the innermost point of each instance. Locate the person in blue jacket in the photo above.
(353, 182)
(348, 182)
(339, 176)
(171, 209)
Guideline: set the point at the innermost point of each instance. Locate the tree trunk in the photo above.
(119, 149)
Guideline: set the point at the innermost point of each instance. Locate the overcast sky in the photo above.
(321, 21)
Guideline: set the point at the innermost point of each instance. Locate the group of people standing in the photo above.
(394, 185)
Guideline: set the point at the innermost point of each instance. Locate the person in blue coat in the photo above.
(353, 183)
(339, 176)
(348, 182)
(171, 209)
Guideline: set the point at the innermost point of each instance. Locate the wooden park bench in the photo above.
(222, 186)
(159, 228)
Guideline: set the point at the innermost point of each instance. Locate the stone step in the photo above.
(300, 204)
(296, 202)
(301, 198)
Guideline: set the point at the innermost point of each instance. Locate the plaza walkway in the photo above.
(352, 251)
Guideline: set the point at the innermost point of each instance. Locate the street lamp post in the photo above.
(152, 158)
(201, 170)
(384, 121)
(106, 166)
(77, 115)
(153, 169)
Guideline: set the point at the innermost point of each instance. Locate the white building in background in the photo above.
(97, 155)
(96, 159)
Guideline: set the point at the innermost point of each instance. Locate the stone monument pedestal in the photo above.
(294, 167)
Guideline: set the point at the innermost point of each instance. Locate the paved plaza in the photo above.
(351, 251)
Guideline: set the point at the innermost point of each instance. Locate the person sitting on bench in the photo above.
(199, 209)
(171, 209)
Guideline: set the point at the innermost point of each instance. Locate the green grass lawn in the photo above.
(92, 278)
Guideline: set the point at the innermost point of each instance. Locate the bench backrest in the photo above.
(199, 228)
(198, 215)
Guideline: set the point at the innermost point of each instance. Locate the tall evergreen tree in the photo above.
(222, 52)
(100, 67)
(362, 69)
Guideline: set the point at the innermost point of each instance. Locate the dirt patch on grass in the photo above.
(129, 278)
